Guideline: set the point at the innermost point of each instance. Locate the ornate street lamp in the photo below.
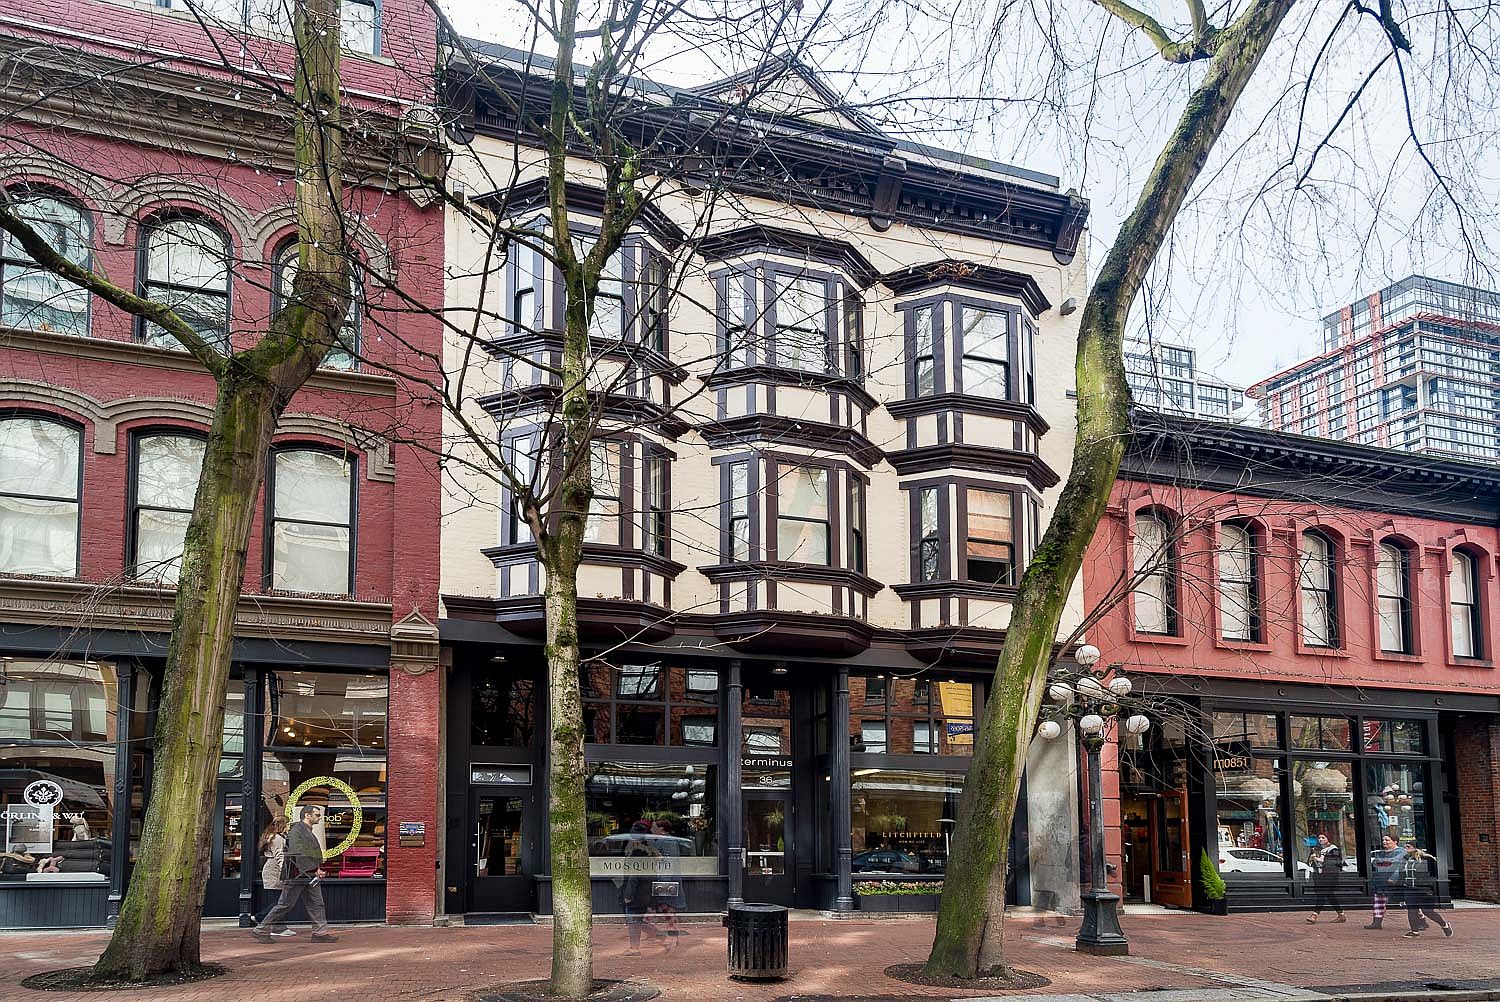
(1093, 699)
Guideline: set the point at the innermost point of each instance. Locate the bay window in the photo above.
(40, 485)
(802, 323)
(167, 467)
(311, 522)
(655, 517)
(990, 550)
(802, 528)
(986, 353)
(35, 297)
(738, 507)
(924, 352)
(603, 525)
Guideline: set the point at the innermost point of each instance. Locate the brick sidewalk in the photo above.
(844, 958)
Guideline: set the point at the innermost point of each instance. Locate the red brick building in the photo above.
(1313, 625)
(158, 152)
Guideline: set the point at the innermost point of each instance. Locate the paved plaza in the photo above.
(1237, 957)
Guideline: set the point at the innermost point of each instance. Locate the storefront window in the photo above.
(502, 710)
(650, 705)
(1324, 793)
(672, 809)
(1255, 729)
(322, 710)
(902, 820)
(912, 716)
(232, 757)
(59, 725)
(1397, 803)
(1399, 737)
(1250, 816)
(325, 745)
(1326, 733)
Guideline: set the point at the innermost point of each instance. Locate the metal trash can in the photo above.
(757, 942)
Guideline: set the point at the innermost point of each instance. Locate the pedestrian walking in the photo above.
(635, 891)
(1385, 869)
(1419, 885)
(1326, 860)
(273, 853)
(302, 875)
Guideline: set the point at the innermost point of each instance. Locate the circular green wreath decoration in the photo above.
(347, 791)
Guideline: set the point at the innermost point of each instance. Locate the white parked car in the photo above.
(1235, 859)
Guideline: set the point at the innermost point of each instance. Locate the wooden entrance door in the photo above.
(1171, 860)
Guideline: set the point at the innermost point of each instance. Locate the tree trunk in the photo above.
(968, 940)
(157, 930)
(572, 894)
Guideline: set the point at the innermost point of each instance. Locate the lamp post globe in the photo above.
(1060, 692)
(1090, 687)
(1091, 724)
(1137, 723)
(1121, 686)
(1049, 729)
(1087, 655)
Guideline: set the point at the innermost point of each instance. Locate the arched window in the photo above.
(1317, 569)
(34, 297)
(312, 521)
(185, 264)
(1463, 606)
(1155, 573)
(40, 484)
(1238, 588)
(167, 466)
(343, 355)
(1393, 586)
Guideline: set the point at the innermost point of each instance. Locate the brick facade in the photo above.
(185, 139)
(1477, 755)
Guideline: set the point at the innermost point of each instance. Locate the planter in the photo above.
(1218, 906)
(897, 902)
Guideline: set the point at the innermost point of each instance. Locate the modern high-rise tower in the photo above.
(1415, 366)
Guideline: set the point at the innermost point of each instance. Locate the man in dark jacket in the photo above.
(1326, 860)
(303, 867)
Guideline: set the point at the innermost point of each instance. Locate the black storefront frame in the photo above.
(1292, 890)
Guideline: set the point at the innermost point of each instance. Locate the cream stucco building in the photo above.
(833, 374)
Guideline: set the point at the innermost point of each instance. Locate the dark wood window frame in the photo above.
(9, 263)
(1475, 606)
(145, 284)
(352, 331)
(268, 574)
(1254, 541)
(665, 700)
(77, 501)
(133, 506)
(1169, 570)
(1406, 583)
(1330, 593)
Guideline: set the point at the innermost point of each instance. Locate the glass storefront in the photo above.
(59, 729)
(324, 743)
(1348, 778)
(902, 820)
(661, 814)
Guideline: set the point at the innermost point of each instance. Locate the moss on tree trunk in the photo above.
(157, 930)
(968, 941)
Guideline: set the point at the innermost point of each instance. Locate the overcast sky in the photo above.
(1269, 244)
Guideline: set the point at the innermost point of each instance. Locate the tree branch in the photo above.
(45, 255)
(1201, 47)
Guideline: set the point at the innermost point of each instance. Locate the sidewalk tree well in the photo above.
(1219, 60)
(157, 931)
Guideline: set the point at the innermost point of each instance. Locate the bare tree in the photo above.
(968, 942)
(158, 926)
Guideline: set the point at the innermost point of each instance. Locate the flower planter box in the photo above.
(897, 902)
(1219, 906)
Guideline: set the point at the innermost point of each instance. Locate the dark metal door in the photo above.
(229, 853)
(770, 862)
(498, 881)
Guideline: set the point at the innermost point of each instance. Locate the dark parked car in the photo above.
(888, 861)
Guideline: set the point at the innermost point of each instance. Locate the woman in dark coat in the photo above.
(1419, 884)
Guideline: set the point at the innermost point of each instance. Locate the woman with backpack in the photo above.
(1419, 885)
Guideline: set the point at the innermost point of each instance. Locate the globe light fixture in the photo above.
(1060, 692)
(1091, 724)
(1121, 686)
(1091, 688)
(1050, 729)
(1137, 723)
(1087, 655)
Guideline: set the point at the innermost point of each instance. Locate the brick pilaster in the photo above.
(1477, 754)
